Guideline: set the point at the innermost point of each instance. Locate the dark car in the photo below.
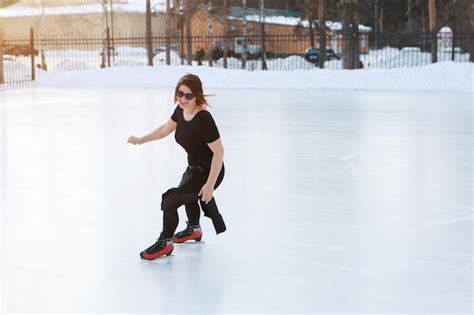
(312, 55)
(17, 50)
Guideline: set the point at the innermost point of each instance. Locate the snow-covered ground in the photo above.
(445, 76)
(17, 68)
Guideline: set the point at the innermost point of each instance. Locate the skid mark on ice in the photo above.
(437, 224)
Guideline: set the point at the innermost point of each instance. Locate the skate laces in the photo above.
(160, 243)
(188, 230)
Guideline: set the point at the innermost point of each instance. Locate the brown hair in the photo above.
(193, 82)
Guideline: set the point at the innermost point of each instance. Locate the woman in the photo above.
(197, 133)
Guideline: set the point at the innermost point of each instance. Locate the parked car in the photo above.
(19, 50)
(312, 55)
(162, 49)
(112, 50)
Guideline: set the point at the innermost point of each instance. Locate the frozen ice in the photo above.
(335, 202)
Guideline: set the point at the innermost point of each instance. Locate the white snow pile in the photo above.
(443, 76)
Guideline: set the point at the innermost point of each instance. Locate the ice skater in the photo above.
(196, 131)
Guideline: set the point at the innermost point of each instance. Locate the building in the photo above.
(79, 18)
(284, 28)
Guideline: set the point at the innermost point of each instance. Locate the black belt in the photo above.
(199, 169)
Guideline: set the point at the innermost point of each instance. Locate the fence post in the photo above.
(32, 51)
(108, 47)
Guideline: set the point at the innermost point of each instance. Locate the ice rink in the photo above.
(335, 202)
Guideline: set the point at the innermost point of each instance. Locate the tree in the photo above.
(105, 28)
(42, 36)
(348, 20)
(187, 25)
(226, 27)
(262, 23)
(2, 76)
(244, 25)
(210, 39)
(167, 32)
(309, 14)
(471, 36)
(433, 30)
(322, 32)
(149, 44)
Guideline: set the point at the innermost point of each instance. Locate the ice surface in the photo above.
(335, 201)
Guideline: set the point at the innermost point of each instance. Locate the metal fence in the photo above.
(26, 58)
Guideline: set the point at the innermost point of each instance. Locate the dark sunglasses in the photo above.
(188, 96)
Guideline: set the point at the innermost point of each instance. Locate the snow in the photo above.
(293, 21)
(138, 6)
(443, 76)
(129, 7)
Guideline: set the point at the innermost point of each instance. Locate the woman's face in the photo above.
(183, 96)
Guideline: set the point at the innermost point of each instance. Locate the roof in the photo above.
(282, 17)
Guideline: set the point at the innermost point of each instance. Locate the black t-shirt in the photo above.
(194, 135)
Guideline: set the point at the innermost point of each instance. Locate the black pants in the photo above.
(187, 194)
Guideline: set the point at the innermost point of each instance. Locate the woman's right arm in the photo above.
(159, 133)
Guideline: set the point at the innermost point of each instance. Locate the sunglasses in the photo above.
(188, 96)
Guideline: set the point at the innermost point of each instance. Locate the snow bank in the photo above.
(445, 76)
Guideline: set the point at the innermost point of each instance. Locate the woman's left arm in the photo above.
(216, 165)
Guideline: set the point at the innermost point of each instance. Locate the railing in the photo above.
(27, 58)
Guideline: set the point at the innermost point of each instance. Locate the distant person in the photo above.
(199, 55)
(196, 131)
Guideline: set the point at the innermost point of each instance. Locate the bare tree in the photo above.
(149, 44)
(433, 30)
(105, 27)
(411, 22)
(42, 36)
(309, 14)
(245, 33)
(2, 76)
(187, 25)
(112, 31)
(350, 30)
(167, 32)
(322, 32)
(262, 21)
(226, 27)
(471, 36)
(209, 33)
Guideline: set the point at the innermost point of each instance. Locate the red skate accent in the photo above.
(196, 236)
(165, 251)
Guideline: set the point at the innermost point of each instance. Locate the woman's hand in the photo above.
(206, 193)
(134, 140)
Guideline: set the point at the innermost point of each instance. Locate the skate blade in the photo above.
(157, 259)
(190, 243)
